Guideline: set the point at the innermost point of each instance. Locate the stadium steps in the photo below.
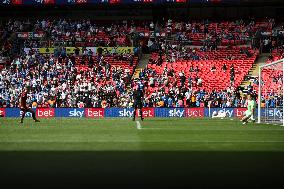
(141, 65)
(253, 72)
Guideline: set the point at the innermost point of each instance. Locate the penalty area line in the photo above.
(138, 125)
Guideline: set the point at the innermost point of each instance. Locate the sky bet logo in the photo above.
(45, 112)
(274, 113)
(126, 113)
(76, 113)
(239, 112)
(229, 112)
(28, 114)
(146, 112)
(41, 113)
(194, 112)
(176, 113)
(94, 112)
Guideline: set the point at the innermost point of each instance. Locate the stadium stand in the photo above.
(218, 79)
(192, 64)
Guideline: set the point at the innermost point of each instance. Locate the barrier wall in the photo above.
(89, 2)
(128, 112)
(69, 50)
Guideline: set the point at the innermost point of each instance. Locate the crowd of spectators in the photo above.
(175, 53)
(170, 94)
(56, 80)
(212, 34)
(67, 32)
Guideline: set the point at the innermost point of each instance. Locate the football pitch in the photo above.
(196, 153)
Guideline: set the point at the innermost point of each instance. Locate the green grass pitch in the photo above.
(196, 153)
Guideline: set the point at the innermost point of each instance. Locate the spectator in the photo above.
(213, 68)
(224, 68)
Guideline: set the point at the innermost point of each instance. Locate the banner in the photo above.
(39, 2)
(82, 2)
(169, 112)
(269, 113)
(93, 49)
(30, 35)
(267, 33)
(152, 34)
(272, 113)
(2, 112)
(239, 112)
(23, 35)
(146, 112)
(45, 112)
(69, 112)
(40, 112)
(46, 50)
(27, 50)
(128, 112)
(16, 2)
(16, 112)
(229, 111)
(194, 112)
(94, 113)
(69, 50)
(37, 35)
(119, 112)
(118, 50)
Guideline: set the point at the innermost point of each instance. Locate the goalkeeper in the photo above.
(250, 110)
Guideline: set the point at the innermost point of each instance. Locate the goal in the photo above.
(270, 93)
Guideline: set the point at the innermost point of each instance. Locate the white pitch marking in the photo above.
(134, 141)
(176, 129)
(138, 125)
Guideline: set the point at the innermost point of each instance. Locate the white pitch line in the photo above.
(138, 125)
(244, 129)
(137, 141)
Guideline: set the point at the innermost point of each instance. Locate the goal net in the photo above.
(270, 93)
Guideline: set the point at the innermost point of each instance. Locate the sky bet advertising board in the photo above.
(40, 112)
(128, 112)
(78, 2)
(270, 113)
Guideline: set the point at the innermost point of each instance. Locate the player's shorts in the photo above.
(248, 113)
(137, 105)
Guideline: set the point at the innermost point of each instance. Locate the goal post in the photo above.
(270, 93)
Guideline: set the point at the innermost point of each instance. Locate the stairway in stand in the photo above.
(253, 72)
